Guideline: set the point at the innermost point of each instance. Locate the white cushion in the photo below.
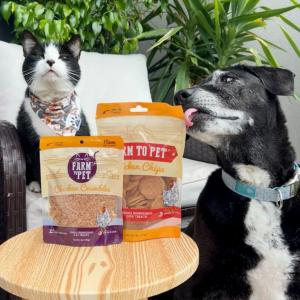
(195, 175)
(105, 78)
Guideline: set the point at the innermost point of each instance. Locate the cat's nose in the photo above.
(50, 62)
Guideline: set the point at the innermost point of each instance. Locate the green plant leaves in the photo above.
(214, 34)
(263, 14)
(291, 41)
(182, 78)
(166, 37)
(96, 26)
(67, 10)
(271, 59)
(39, 9)
(6, 10)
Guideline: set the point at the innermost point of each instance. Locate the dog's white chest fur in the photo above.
(270, 278)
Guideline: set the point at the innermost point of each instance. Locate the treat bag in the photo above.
(83, 180)
(154, 137)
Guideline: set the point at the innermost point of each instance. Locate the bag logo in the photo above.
(150, 151)
(82, 167)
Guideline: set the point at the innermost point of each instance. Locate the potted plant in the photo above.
(210, 35)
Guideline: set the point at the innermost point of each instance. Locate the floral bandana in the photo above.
(61, 115)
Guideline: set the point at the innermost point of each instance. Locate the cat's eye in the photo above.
(37, 55)
(228, 79)
(63, 56)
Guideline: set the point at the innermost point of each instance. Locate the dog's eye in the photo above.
(228, 79)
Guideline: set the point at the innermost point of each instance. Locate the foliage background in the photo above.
(104, 26)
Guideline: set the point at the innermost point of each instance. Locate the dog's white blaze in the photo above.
(270, 278)
(206, 138)
(253, 175)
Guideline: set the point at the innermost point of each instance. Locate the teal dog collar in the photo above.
(277, 195)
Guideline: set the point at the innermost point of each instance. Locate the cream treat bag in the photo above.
(83, 180)
(154, 137)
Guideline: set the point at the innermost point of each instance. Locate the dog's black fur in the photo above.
(218, 227)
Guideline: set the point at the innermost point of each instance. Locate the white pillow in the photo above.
(105, 78)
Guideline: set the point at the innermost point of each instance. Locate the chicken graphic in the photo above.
(103, 219)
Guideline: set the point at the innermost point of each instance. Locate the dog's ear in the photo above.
(74, 45)
(29, 42)
(275, 80)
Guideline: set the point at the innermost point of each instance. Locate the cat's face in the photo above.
(50, 68)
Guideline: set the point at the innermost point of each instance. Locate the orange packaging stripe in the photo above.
(149, 234)
(51, 142)
(108, 110)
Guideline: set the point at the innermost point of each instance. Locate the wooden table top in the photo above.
(34, 270)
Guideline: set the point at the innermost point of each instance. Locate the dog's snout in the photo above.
(182, 96)
(50, 62)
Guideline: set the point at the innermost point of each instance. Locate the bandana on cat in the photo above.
(61, 115)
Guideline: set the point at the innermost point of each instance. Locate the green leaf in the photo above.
(182, 78)
(203, 17)
(6, 10)
(296, 96)
(39, 9)
(121, 4)
(46, 30)
(25, 18)
(251, 4)
(116, 48)
(263, 14)
(67, 10)
(18, 16)
(76, 13)
(73, 21)
(58, 26)
(166, 37)
(162, 91)
(107, 22)
(271, 59)
(290, 23)
(96, 26)
(153, 34)
(217, 23)
(49, 15)
(256, 56)
(291, 41)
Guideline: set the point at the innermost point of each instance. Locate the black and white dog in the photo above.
(249, 249)
(51, 106)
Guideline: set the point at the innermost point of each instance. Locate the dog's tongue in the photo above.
(188, 116)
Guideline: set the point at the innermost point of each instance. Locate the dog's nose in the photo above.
(50, 62)
(182, 96)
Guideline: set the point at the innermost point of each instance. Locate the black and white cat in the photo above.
(50, 106)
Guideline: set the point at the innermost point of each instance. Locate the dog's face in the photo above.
(232, 101)
(49, 65)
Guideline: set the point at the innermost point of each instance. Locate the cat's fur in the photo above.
(51, 71)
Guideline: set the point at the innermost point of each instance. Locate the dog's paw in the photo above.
(34, 187)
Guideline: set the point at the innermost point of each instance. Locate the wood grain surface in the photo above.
(33, 270)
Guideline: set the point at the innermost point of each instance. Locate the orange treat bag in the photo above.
(154, 137)
(83, 180)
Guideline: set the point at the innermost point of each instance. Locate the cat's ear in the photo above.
(29, 42)
(74, 45)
